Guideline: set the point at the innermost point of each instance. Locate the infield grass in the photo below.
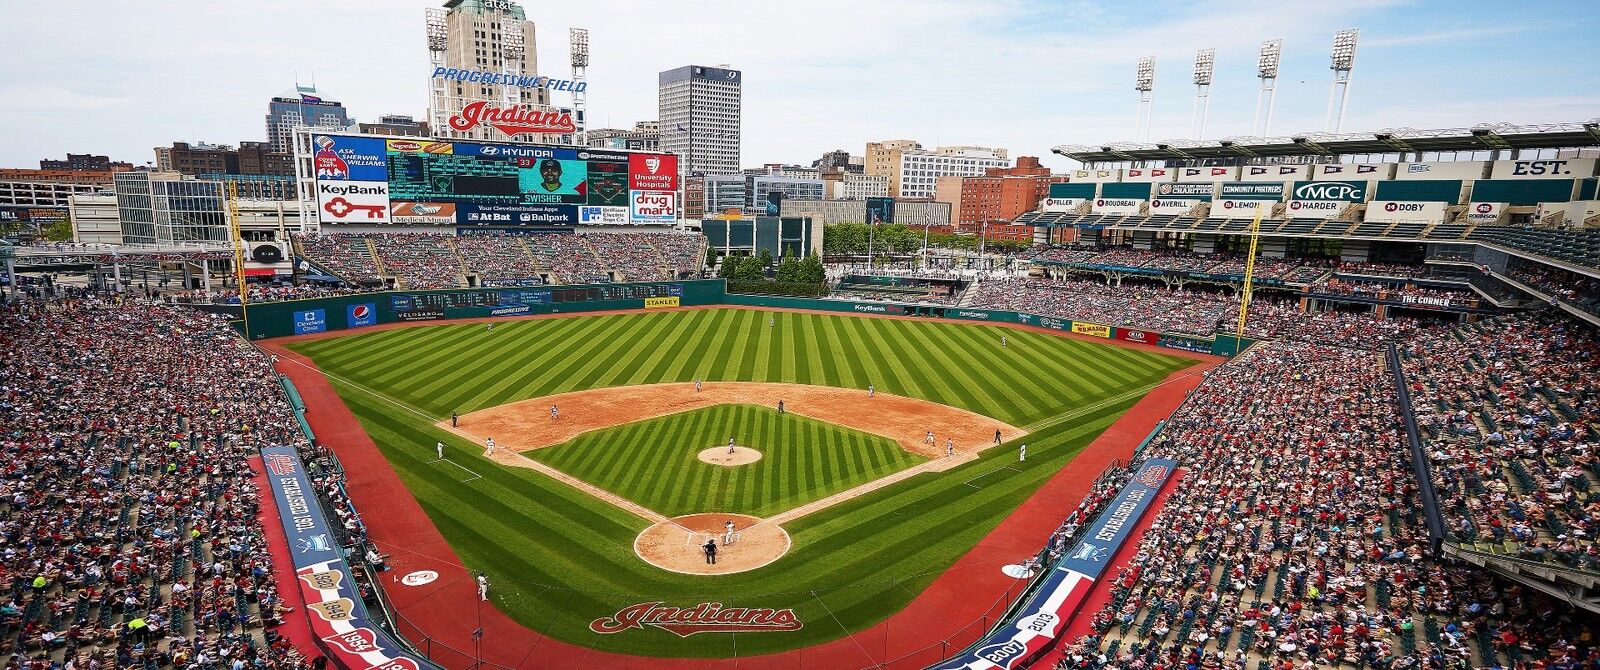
(560, 558)
(656, 462)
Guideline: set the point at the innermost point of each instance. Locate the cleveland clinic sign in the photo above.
(509, 79)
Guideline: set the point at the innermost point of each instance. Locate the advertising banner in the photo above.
(517, 215)
(1463, 170)
(1562, 168)
(878, 309)
(1208, 174)
(1118, 206)
(433, 213)
(344, 158)
(880, 211)
(668, 301)
(1484, 212)
(1240, 190)
(361, 314)
(1184, 343)
(1354, 171)
(1324, 199)
(333, 601)
(591, 216)
(1139, 336)
(653, 206)
(310, 321)
(420, 315)
(1192, 191)
(1063, 589)
(653, 172)
(1091, 329)
(17, 214)
(1395, 211)
(1271, 173)
(353, 201)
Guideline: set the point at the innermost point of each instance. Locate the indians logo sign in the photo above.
(513, 120)
(702, 618)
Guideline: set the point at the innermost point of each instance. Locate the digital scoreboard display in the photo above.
(363, 179)
(516, 297)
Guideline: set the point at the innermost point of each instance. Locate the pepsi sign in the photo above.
(357, 316)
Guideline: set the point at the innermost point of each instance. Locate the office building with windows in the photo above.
(303, 106)
(700, 110)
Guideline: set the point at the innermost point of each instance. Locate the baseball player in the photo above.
(489, 327)
(997, 436)
(780, 406)
(483, 586)
(696, 386)
(554, 413)
(1022, 452)
(771, 322)
(710, 548)
(949, 447)
(871, 390)
(439, 447)
(454, 417)
(727, 533)
(488, 447)
(927, 438)
(1002, 341)
(730, 446)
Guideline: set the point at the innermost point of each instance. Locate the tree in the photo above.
(765, 258)
(811, 271)
(730, 263)
(59, 231)
(711, 256)
(789, 270)
(749, 269)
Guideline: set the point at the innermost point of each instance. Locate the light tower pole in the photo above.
(1344, 58)
(1204, 60)
(579, 38)
(1267, 70)
(1144, 81)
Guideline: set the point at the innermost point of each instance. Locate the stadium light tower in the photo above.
(579, 39)
(1144, 81)
(1267, 70)
(1204, 60)
(1344, 58)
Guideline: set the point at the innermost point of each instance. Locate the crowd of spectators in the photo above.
(346, 255)
(128, 511)
(1396, 291)
(1580, 290)
(420, 261)
(573, 261)
(1294, 541)
(632, 255)
(496, 259)
(1507, 409)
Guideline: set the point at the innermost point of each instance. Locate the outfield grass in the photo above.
(560, 558)
(655, 462)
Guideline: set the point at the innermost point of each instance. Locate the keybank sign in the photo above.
(1342, 191)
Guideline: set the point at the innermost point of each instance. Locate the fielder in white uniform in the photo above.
(488, 447)
(1022, 452)
(439, 447)
(483, 586)
(727, 535)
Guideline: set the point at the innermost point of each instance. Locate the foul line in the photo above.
(969, 482)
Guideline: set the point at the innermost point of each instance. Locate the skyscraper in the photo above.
(481, 37)
(700, 118)
(302, 106)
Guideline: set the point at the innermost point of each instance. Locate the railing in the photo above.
(1433, 518)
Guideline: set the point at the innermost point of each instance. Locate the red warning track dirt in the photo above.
(440, 617)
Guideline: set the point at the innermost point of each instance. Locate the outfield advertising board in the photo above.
(1043, 617)
(1091, 329)
(360, 315)
(310, 321)
(1136, 336)
(1324, 199)
(361, 179)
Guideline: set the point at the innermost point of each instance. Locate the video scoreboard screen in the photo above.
(515, 297)
(377, 180)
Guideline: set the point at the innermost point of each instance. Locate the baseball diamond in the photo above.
(551, 545)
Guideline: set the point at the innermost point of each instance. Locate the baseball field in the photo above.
(870, 515)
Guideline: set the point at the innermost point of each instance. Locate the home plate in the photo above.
(1017, 572)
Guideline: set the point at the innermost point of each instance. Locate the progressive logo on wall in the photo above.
(310, 321)
(363, 314)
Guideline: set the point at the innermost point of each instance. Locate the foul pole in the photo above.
(238, 256)
(1249, 274)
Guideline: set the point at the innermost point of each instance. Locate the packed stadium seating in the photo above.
(435, 261)
(1296, 540)
(1506, 409)
(130, 528)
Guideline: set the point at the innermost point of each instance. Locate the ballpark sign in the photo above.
(513, 119)
(702, 618)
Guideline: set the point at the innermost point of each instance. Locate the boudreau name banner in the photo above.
(333, 602)
(1040, 620)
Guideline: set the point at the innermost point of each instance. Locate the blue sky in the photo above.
(121, 78)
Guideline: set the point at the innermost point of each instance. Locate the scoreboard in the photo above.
(365, 179)
(516, 297)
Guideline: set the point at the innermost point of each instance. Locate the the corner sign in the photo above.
(514, 120)
(702, 618)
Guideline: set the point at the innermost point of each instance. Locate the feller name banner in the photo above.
(333, 603)
(1042, 618)
(1093, 329)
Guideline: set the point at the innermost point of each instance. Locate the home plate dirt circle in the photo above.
(678, 543)
(720, 456)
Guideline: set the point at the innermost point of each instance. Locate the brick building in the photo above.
(86, 163)
(998, 197)
(251, 158)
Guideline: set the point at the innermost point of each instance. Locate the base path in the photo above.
(527, 424)
(679, 545)
(442, 615)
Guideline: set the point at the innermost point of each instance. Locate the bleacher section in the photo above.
(440, 261)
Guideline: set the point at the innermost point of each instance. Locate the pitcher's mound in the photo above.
(679, 544)
(720, 456)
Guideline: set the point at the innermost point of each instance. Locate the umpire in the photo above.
(711, 551)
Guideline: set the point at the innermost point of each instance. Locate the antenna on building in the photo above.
(1204, 61)
(1267, 63)
(1144, 81)
(1344, 58)
(579, 39)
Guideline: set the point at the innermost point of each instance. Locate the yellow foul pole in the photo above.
(238, 256)
(1249, 272)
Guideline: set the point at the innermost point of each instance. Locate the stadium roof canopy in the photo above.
(1481, 137)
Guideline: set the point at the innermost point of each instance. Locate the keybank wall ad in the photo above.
(361, 179)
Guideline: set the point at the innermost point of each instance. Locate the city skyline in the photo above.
(1020, 75)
